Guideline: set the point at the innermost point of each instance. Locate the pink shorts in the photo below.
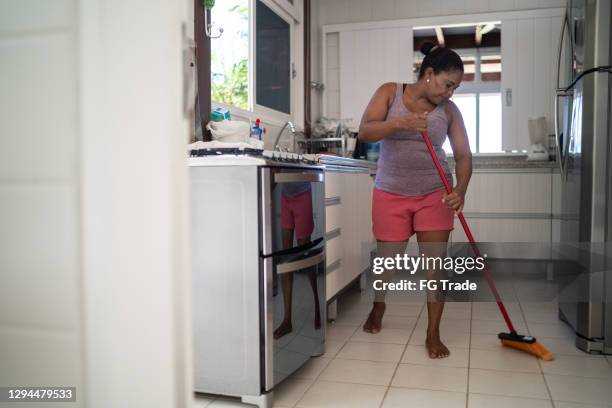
(396, 217)
(296, 213)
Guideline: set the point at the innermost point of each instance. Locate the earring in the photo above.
(427, 81)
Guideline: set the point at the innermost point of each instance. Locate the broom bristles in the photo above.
(534, 348)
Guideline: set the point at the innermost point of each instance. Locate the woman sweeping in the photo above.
(409, 196)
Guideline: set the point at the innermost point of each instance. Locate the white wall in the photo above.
(93, 201)
(135, 229)
(352, 11)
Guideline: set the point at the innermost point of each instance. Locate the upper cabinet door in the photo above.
(367, 59)
(529, 65)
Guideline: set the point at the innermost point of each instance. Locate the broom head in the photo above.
(525, 343)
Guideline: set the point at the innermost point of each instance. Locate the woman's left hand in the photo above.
(454, 200)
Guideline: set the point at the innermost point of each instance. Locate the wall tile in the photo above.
(525, 4)
(333, 101)
(450, 7)
(361, 10)
(551, 3)
(406, 8)
(501, 5)
(476, 6)
(429, 8)
(336, 12)
(383, 10)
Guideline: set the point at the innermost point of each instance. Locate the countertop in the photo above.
(514, 161)
(343, 161)
(479, 162)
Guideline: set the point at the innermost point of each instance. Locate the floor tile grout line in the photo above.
(336, 356)
(400, 359)
(314, 380)
(513, 396)
(576, 376)
(520, 305)
(510, 371)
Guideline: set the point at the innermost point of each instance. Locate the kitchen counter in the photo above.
(512, 162)
(343, 164)
(342, 161)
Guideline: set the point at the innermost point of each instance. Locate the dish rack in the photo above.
(335, 145)
(334, 142)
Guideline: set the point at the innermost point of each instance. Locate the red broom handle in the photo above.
(468, 233)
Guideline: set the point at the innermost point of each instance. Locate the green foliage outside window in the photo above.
(232, 88)
(230, 53)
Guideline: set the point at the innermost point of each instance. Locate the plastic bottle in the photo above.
(256, 131)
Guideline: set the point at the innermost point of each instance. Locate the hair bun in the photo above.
(426, 47)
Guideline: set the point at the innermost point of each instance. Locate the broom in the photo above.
(518, 341)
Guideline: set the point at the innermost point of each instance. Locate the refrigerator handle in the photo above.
(557, 137)
(559, 93)
(560, 49)
(564, 26)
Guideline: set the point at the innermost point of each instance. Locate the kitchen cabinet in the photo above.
(508, 192)
(512, 208)
(348, 226)
(529, 49)
(361, 53)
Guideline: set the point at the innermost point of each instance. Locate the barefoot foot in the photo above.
(435, 347)
(282, 330)
(374, 322)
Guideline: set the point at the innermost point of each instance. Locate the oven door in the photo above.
(293, 264)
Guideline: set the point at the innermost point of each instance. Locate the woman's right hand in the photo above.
(412, 121)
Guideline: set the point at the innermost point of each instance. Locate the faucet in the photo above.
(290, 124)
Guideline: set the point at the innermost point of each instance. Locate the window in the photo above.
(253, 72)
(479, 100)
(479, 95)
(273, 60)
(230, 54)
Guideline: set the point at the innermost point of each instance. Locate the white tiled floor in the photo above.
(392, 369)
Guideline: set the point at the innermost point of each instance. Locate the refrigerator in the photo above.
(584, 152)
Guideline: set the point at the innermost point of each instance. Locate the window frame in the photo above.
(293, 9)
(285, 11)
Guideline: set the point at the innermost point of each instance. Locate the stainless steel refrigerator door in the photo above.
(584, 190)
(608, 234)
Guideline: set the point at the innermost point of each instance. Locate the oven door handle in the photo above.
(294, 250)
(301, 264)
(317, 177)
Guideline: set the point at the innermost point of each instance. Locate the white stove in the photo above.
(249, 156)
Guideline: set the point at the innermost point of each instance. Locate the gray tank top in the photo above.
(404, 165)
